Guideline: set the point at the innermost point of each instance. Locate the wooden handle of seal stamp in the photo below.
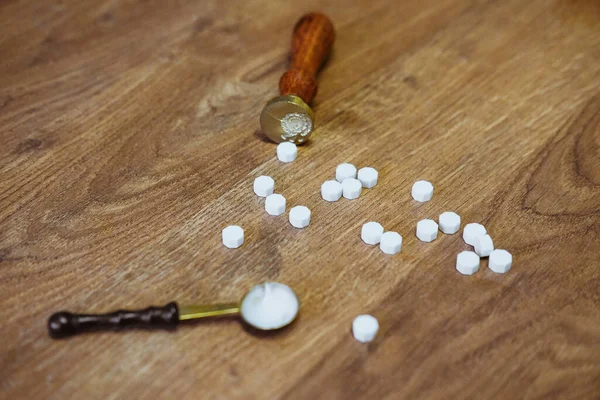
(312, 40)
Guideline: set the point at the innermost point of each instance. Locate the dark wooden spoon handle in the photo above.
(64, 324)
(312, 40)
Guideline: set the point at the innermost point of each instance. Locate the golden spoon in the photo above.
(267, 306)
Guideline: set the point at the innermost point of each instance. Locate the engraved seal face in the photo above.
(287, 119)
(296, 127)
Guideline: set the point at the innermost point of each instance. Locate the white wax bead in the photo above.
(233, 236)
(449, 222)
(331, 190)
(287, 152)
(484, 245)
(351, 188)
(500, 261)
(368, 177)
(371, 232)
(275, 204)
(472, 231)
(344, 171)
(270, 305)
(264, 186)
(467, 262)
(422, 191)
(299, 217)
(427, 230)
(391, 243)
(364, 328)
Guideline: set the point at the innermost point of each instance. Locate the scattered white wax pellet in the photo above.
(287, 152)
(233, 236)
(500, 261)
(331, 190)
(467, 262)
(364, 328)
(371, 232)
(275, 204)
(484, 245)
(391, 242)
(449, 222)
(351, 188)
(427, 230)
(422, 191)
(299, 217)
(368, 177)
(344, 171)
(472, 231)
(270, 305)
(264, 186)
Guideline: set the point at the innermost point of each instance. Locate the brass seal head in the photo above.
(287, 119)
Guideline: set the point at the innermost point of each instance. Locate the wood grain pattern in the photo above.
(127, 132)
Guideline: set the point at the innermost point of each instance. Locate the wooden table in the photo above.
(129, 139)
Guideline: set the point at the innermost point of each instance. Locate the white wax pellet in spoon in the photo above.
(270, 305)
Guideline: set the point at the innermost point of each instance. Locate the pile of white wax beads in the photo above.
(372, 233)
(275, 203)
(349, 183)
(474, 234)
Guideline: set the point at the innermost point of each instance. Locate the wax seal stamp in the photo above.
(288, 117)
